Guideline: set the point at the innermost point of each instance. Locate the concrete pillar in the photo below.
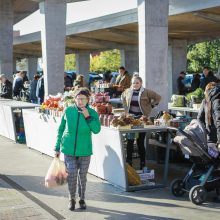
(32, 63)
(130, 60)
(83, 65)
(170, 72)
(178, 53)
(6, 37)
(53, 35)
(14, 65)
(153, 46)
(122, 58)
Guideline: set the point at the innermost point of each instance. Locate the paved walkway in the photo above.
(23, 195)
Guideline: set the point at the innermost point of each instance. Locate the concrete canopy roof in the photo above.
(23, 8)
(120, 30)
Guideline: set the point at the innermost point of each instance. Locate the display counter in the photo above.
(3, 99)
(116, 102)
(183, 110)
(108, 159)
(10, 113)
(41, 131)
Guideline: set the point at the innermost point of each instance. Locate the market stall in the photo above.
(108, 160)
(187, 105)
(11, 119)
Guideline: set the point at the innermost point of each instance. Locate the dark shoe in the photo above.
(82, 204)
(72, 204)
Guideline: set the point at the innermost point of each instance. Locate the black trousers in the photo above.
(141, 149)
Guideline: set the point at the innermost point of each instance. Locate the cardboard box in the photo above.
(147, 176)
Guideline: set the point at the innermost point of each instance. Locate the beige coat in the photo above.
(123, 80)
(147, 98)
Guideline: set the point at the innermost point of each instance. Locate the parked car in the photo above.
(188, 79)
(93, 76)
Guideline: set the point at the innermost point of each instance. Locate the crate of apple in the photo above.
(51, 103)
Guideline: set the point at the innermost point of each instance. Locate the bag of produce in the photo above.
(56, 175)
(133, 178)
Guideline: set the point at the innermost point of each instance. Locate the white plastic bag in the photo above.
(56, 175)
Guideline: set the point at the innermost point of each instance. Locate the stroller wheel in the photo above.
(177, 187)
(197, 195)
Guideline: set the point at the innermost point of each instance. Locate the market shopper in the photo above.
(33, 88)
(74, 138)
(68, 82)
(207, 77)
(6, 87)
(79, 81)
(40, 90)
(138, 101)
(195, 82)
(182, 90)
(18, 84)
(209, 113)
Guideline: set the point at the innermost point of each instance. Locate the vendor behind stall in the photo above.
(123, 80)
(138, 101)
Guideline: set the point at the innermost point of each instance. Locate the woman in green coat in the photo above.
(75, 140)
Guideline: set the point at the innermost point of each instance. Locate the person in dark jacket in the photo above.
(33, 88)
(18, 84)
(68, 82)
(74, 138)
(40, 90)
(6, 90)
(208, 77)
(195, 82)
(209, 113)
(180, 84)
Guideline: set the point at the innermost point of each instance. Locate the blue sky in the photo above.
(77, 12)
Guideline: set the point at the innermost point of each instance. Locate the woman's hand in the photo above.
(85, 112)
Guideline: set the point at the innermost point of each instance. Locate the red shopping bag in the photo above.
(56, 175)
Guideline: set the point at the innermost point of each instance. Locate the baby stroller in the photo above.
(204, 175)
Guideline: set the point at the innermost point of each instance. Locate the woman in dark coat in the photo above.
(6, 90)
(209, 113)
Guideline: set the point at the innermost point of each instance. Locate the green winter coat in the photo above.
(75, 132)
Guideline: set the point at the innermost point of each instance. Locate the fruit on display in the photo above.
(128, 120)
(145, 120)
(52, 105)
(51, 102)
(102, 108)
(166, 117)
(117, 122)
(101, 97)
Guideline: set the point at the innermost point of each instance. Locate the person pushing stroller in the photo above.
(209, 116)
(199, 142)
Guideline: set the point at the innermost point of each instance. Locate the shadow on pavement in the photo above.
(98, 191)
(120, 215)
